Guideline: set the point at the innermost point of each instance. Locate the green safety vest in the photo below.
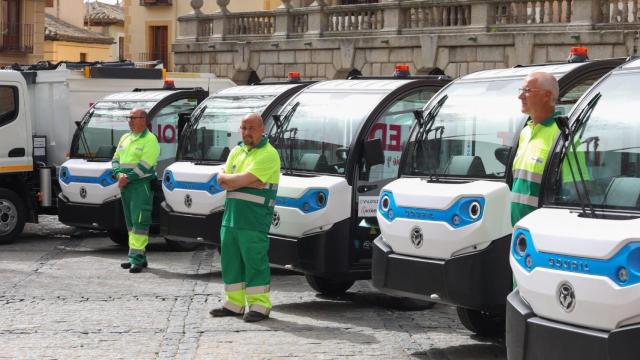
(136, 156)
(250, 208)
(535, 143)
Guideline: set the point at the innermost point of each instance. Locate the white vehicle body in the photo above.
(576, 261)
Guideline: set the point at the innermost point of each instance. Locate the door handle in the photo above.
(367, 188)
(17, 152)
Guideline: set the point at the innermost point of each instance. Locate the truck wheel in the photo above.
(328, 286)
(182, 246)
(481, 323)
(12, 216)
(119, 236)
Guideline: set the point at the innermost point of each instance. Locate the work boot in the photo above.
(254, 316)
(223, 311)
(136, 268)
(127, 265)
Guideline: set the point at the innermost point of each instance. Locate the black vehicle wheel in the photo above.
(408, 304)
(481, 323)
(12, 216)
(119, 236)
(182, 246)
(328, 286)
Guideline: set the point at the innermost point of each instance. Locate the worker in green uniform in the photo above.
(134, 166)
(538, 98)
(251, 178)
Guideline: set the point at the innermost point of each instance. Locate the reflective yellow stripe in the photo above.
(527, 175)
(246, 197)
(16, 168)
(257, 290)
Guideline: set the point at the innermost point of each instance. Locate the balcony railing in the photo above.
(411, 17)
(16, 37)
(155, 2)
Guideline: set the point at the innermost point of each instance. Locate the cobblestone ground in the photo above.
(65, 297)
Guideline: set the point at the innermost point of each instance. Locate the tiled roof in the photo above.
(56, 29)
(99, 13)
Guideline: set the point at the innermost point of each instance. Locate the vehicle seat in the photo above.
(218, 153)
(623, 191)
(106, 151)
(466, 166)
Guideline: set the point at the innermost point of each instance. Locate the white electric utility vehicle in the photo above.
(445, 224)
(340, 143)
(194, 202)
(576, 261)
(89, 196)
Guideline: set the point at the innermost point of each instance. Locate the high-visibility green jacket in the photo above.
(136, 156)
(534, 147)
(248, 208)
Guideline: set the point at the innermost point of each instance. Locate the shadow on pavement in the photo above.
(468, 351)
(322, 333)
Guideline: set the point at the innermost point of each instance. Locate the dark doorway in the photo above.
(10, 24)
(159, 46)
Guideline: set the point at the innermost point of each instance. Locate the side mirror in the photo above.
(341, 153)
(373, 153)
(502, 154)
(183, 120)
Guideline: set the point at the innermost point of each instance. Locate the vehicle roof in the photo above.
(631, 65)
(371, 85)
(243, 90)
(155, 95)
(520, 72)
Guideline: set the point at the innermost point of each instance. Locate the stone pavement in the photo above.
(64, 297)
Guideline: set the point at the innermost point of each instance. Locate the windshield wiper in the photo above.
(83, 138)
(281, 128)
(568, 132)
(425, 128)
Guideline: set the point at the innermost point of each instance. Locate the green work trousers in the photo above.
(137, 202)
(245, 269)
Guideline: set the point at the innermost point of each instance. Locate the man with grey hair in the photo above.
(538, 97)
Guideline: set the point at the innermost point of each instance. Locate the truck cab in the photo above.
(340, 143)
(89, 196)
(576, 260)
(194, 203)
(447, 217)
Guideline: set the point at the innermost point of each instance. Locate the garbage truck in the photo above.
(40, 108)
(576, 260)
(445, 224)
(340, 142)
(194, 202)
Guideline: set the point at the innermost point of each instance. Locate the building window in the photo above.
(8, 104)
(83, 57)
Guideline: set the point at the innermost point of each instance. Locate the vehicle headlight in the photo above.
(521, 244)
(385, 203)
(474, 210)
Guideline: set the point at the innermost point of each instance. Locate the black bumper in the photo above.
(530, 337)
(480, 280)
(193, 228)
(105, 216)
(329, 254)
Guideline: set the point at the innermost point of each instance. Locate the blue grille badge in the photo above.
(104, 180)
(312, 200)
(465, 211)
(211, 186)
(623, 268)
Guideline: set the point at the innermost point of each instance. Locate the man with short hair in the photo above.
(134, 166)
(251, 178)
(538, 97)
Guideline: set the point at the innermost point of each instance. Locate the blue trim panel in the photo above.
(307, 203)
(457, 215)
(211, 186)
(628, 258)
(104, 180)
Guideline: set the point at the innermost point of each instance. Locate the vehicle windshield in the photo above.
(471, 135)
(106, 123)
(608, 151)
(320, 131)
(211, 136)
